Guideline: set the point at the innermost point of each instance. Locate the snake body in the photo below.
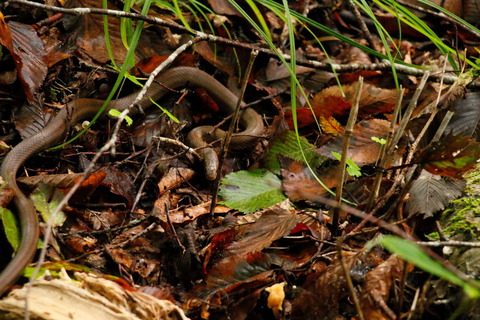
(82, 109)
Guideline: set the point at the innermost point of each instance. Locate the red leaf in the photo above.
(452, 156)
(304, 118)
(29, 55)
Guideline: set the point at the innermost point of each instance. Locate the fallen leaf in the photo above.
(299, 182)
(377, 287)
(362, 150)
(174, 177)
(287, 144)
(431, 193)
(249, 191)
(30, 57)
(451, 156)
(275, 222)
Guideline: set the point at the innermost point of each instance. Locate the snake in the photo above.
(85, 108)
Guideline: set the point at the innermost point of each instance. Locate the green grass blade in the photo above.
(128, 63)
(411, 252)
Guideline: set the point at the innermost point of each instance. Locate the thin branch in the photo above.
(340, 68)
(229, 133)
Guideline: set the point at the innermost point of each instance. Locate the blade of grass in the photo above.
(129, 60)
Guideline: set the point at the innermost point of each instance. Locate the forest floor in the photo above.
(357, 198)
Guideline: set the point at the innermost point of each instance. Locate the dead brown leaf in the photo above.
(363, 150)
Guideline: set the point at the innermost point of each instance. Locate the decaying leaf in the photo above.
(323, 292)
(136, 251)
(377, 288)
(451, 156)
(363, 150)
(431, 193)
(275, 222)
(299, 183)
(29, 55)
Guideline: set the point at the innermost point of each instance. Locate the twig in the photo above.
(396, 230)
(352, 118)
(406, 116)
(363, 26)
(450, 243)
(348, 279)
(384, 65)
(180, 145)
(109, 146)
(229, 133)
(382, 158)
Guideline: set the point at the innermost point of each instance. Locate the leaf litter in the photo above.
(270, 249)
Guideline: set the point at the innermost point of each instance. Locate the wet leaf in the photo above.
(30, 57)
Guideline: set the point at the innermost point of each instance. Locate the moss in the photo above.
(473, 182)
(434, 236)
(462, 219)
(471, 204)
(465, 227)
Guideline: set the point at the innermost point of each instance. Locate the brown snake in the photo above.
(82, 109)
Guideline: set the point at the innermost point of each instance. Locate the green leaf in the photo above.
(45, 203)
(382, 141)
(287, 144)
(10, 227)
(249, 191)
(411, 252)
(352, 168)
(115, 113)
(55, 268)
